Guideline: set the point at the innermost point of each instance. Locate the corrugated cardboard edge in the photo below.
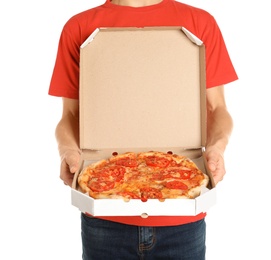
(190, 35)
(90, 38)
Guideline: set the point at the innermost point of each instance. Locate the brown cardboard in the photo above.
(142, 89)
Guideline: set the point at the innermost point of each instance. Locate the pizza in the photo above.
(143, 176)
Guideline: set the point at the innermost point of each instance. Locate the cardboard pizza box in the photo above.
(142, 89)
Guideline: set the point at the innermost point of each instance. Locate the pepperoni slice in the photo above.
(156, 161)
(176, 185)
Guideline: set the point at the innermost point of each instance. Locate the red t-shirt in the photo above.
(65, 78)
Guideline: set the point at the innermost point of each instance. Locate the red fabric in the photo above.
(65, 78)
(155, 220)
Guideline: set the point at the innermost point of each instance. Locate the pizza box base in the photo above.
(152, 207)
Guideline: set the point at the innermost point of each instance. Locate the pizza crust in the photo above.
(145, 175)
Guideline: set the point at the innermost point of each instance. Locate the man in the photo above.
(158, 238)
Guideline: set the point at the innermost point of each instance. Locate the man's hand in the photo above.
(67, 136)
(219, 128)
(69, 165)
(215, 161)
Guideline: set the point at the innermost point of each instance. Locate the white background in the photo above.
(37, 218)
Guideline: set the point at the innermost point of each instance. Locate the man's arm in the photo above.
(219, 128)
(67, 136)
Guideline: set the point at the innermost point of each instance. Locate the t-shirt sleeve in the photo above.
(65, 76)
(219, 67)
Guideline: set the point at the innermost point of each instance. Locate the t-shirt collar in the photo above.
(149, 7)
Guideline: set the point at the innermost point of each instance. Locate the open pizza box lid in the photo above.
(142, 89)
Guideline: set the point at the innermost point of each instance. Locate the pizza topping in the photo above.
(176, 185)
(156, 161)
(101, 185)
(129, 195)
(150, 175)
(180, 173)
(110, 173)
(127, 162)
(150, 193)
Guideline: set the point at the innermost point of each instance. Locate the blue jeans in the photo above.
(105, 240)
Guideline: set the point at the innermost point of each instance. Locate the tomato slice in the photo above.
(180, 174)
(127, 162)
(115, 173)
(156, 161)
(176, 185)
(174, 173)
(185, 174)
(101, 186)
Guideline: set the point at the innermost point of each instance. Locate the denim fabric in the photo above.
(105, 240)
